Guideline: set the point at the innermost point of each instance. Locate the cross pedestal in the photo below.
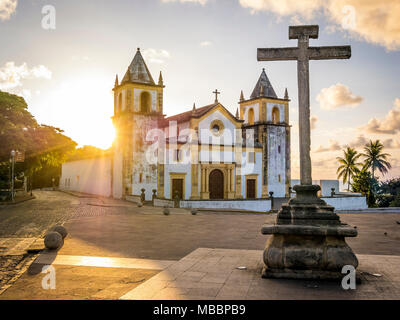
(308, 239)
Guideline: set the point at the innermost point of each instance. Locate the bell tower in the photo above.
(268, 116)
(138, 107)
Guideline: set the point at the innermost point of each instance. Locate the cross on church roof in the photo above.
(216, 92)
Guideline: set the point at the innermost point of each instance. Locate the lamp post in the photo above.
(12, 174)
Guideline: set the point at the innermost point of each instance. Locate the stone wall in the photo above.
(260, 205)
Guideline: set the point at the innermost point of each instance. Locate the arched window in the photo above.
(251, 116)
(145, 101)
(275, 115)
(119, 108)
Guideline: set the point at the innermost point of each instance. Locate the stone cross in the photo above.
(216, 92)
(303, 53)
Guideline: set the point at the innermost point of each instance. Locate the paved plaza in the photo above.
(116, 250)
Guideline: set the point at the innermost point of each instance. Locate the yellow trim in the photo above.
(221, 127)
(194, 122)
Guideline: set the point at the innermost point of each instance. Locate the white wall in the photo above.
(177, 168)
(347, 203)
(281, 108)
(206, 136)
(88, 176)
(263, 205)
(251, 168)
(117, 176)
(276, 160)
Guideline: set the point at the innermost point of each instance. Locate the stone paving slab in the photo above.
(89, 261)
(185, 279)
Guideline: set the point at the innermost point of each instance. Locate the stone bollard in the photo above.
(61, 230)
(332, 192)
(166, 210)
(154, 195)
(193, 211)
(143, 195)
(53, 240)
(176, 199)
(271, 195)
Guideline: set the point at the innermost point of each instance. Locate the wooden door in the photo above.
(216, 184)
(251, 189)
(177, 185)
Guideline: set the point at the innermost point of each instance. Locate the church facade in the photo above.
(203, 153)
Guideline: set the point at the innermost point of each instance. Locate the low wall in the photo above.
(347, 203)
(260, 205)
(133, 198)
(163, 203)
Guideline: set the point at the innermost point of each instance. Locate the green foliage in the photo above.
(396, 201)
(366, 185)
(43, 145)
(348, 165)
(87, 152)
(375, 158)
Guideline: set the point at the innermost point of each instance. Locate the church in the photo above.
(204, 153)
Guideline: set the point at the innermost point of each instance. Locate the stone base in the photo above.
(308, 240)
(269, 273)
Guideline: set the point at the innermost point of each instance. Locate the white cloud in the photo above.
(389, 125)
(7, 8)
(11, 75)
(202, 2)
(333, 146)
(205, 43)
(338, 96)
(372, 21)
(156, 56)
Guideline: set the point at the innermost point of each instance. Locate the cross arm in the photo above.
(274, 54)
(330, 52)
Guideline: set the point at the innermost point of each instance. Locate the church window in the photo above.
(251, 116)
(279, 178)
(140, 177)
(177, 155)
(252, 157)
(279, 149)
(275, 115)
(217, 127)
(120, 101)
(145, 101)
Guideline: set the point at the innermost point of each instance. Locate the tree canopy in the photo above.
(43, 145)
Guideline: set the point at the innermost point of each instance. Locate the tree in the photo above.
(366, 185)
(348, 165)
(375, 158)
(43, 145)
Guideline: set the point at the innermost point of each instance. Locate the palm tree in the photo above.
(348, 165)
(375, 158)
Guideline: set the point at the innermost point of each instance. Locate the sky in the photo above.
(62, 57)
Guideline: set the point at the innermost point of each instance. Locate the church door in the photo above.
(251, 189)
(216, 184)
(177, 187)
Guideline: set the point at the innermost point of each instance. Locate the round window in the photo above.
(215, 128)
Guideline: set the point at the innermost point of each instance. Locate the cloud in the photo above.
(391, 144)
(389, 125)
(156, 56)
(305, 8)
(359, 142)
(333, 146)
(11, 75)
(7, 8)
(369, 20)
(313, 122)
(338, 96)
(202, 2)
(205, 43)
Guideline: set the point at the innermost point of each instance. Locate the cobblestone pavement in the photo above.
(111, 228)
